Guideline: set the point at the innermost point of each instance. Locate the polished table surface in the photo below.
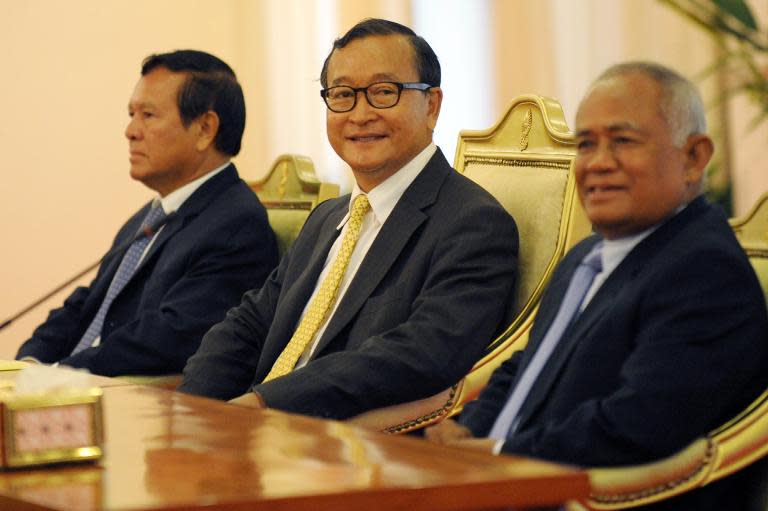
(166, 450)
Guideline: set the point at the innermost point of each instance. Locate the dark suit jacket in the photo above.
(673, 344)
(217, 246)
(428, 297)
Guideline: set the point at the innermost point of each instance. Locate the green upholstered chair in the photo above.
(289, 191)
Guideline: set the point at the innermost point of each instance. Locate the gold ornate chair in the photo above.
(525, 160)
(289, 191)
(730, 448)
(752, 232)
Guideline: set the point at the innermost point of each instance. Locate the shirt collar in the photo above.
(176, 198)
(614, 251)
(384, 197)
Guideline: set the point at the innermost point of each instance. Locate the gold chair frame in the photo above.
(291, 185)
(531, 141)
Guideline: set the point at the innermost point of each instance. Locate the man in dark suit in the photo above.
(670, 340)
(426, 284)
(151, 302)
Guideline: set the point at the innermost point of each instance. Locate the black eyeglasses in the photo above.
(342, 98)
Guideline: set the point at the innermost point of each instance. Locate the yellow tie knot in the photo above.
(360, 207)
(322, 302)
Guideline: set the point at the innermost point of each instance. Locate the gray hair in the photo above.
(681, 105)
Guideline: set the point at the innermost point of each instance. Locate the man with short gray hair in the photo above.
(653, 330)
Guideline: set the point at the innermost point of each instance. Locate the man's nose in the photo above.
(362, 111)
(132, 131)
(602, 158)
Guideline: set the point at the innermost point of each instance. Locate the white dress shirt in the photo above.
(383, 199)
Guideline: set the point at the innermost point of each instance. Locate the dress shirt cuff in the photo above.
(30, 358)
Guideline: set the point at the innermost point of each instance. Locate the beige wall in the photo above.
(69, 68)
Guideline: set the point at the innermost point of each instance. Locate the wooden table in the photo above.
(170, 451)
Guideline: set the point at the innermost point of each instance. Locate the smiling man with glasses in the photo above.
(391, 293)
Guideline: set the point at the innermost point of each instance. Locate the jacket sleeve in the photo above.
(58, 335)
(224, 366)
(480, 414)
(463, 300)
(699, 356)
(160, 339)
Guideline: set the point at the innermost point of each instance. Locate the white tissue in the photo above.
(42, 378)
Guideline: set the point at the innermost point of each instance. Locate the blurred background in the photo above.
(70, 67)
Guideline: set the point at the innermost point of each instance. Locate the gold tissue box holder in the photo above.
(50, 427)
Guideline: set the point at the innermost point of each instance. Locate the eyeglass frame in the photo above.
(419, 86)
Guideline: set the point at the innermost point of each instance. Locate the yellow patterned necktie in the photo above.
(323, 301)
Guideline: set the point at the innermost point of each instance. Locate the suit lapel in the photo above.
(600, 305)
(298, 287)
(578, 331)
(191, 207)
(307, 280)
(400, 226)
(543, 322)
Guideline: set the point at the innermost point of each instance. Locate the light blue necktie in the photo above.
(123, 275)
(581, 281)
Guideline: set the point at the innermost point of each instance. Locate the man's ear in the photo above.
(208, 128)
(698, 151)
(435, 101)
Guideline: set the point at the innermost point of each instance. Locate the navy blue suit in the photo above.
(673, 344)
(426, 300)
(216, 247)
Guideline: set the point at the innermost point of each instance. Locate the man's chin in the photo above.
(612, 230)
(142, 176)
(368, 177)
(365, 169)
(137, 172)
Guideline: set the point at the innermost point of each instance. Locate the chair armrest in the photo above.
(409, 416)
(630, 486)
(738, 443)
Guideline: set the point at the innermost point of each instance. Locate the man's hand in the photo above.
(447, 432)
(450, 432)
(485, 445)
(250, 400)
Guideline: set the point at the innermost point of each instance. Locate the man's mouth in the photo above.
(366, 138)
(602, 189)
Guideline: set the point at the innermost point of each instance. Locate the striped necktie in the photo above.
(123, 275)
(581, 281)
(323, 301)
